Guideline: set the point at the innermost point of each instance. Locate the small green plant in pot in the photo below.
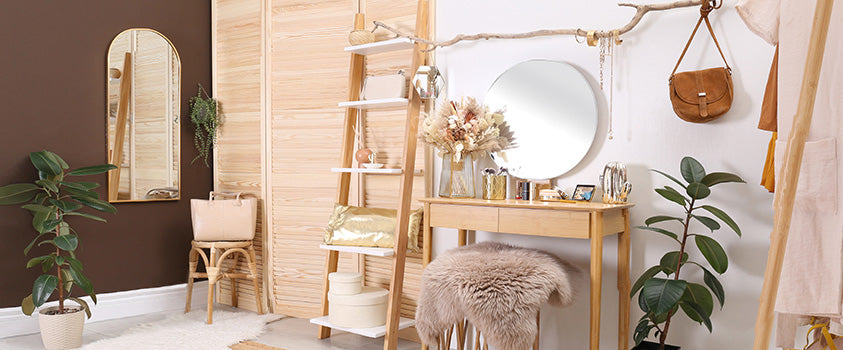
(52, 199)
(661, 298)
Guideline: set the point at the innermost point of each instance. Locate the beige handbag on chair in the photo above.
(224, 219)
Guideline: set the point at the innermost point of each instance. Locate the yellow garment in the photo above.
(768, 176)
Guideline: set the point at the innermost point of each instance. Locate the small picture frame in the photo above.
(583, 193)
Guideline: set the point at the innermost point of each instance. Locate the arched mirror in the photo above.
(143, 80)
(552, 111)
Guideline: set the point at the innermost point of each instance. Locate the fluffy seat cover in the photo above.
(499, 288)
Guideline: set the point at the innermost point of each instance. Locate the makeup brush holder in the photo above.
(494, 187)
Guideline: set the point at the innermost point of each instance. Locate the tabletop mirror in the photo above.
(552, 111)
(143, 76)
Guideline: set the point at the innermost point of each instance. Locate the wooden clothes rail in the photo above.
(786, 188)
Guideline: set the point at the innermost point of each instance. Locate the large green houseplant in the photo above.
(661, 298)
(52, 199)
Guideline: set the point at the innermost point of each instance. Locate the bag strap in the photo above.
(826, 335)
(223, 194)
(706, 8)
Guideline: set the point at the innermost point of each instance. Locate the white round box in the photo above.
(364, 310)
(345, 283)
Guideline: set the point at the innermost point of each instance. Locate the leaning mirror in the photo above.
(552, 112)
(143, 80)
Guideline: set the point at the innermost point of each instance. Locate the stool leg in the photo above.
(538, 330)
(234, 300)
(253, 270)
(213, 276)
(193, 261)
(461, 328)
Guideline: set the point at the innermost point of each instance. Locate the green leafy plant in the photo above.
(52, 199)
(203, 114)
(661, 298)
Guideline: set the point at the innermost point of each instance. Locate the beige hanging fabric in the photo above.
(812, 274)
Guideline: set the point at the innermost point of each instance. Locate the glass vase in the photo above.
(457, 178)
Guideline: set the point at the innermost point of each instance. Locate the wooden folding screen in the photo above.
(279, 72)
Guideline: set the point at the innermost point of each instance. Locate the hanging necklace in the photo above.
(607, 49)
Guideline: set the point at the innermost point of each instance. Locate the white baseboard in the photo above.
(113, 305)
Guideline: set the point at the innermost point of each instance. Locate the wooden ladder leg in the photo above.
(253, 271)
(396, 282)
(213, 274)
(331, 262)
(193, 261)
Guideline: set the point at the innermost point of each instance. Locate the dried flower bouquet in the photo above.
(467, 127)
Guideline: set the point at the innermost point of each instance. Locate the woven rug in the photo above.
(250, 345)
(189, 331)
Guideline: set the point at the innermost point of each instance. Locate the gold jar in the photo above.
(494, 186)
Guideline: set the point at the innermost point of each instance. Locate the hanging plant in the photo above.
(203, 114)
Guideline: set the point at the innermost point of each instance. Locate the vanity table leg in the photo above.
(463, 237)
(596, 275)
(623, 283)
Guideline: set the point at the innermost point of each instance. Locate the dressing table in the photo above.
(585, 220)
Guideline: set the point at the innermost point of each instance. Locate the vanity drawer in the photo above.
(540, 222)
(466, 217)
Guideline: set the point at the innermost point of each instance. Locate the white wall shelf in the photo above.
(374, 251)
(387, 171)
(374, 332)
(381, 46)
(379, 103)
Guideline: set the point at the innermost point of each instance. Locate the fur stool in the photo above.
(497, 287)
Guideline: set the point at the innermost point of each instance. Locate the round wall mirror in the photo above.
(552, 111)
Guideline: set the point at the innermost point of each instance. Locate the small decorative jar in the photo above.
(494, 187)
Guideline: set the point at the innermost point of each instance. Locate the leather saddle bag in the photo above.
(703, 95)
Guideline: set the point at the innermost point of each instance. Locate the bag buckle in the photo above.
(701, 94)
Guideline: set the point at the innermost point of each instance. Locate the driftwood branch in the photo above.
(640, 11)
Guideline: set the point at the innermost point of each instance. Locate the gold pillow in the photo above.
(369, 227)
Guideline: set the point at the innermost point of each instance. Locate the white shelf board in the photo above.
(380, 46)
(374, 332)
(372, 171)
(374, 251)
(379, 103)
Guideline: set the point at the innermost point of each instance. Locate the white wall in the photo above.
(647, 135)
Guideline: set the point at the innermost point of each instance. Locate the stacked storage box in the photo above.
(352, 305)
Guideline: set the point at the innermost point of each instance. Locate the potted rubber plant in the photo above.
(52, 199)
(662, 289)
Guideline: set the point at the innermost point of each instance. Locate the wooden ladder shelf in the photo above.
(407, 172)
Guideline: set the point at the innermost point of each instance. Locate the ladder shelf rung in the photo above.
(374, 332)
(381, 46)
(379, 103)
(380, 171)
(374, 251)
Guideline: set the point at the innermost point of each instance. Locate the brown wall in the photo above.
(52, 96)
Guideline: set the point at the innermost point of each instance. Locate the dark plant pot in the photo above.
(646, 345)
